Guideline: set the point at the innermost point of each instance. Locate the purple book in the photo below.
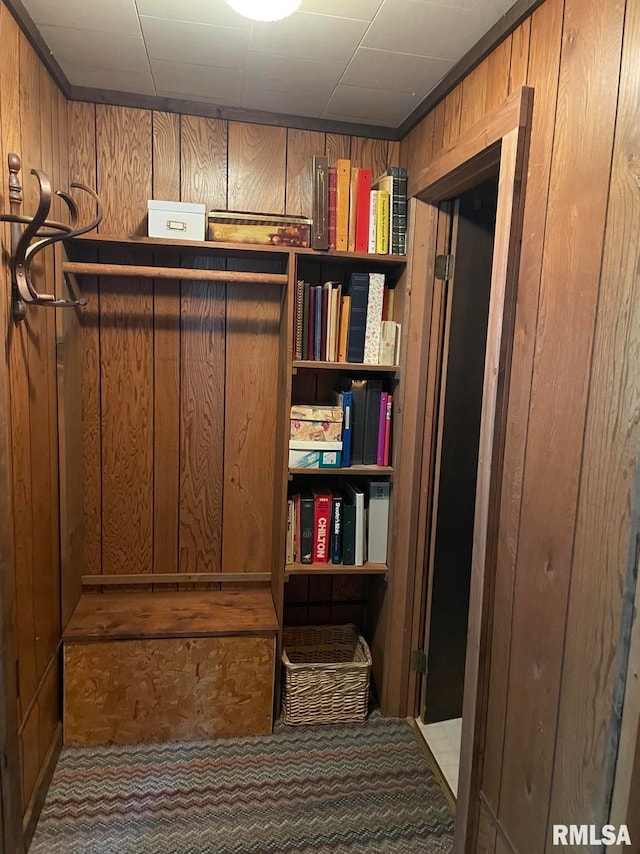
(384, 396)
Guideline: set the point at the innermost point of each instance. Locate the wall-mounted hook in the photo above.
(41, 230)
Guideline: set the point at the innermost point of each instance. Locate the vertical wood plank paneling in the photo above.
(301, 146)
(257, 168)
(202, 361)
(166, 361)
(203, 153)
(570, 274)
(126, 348)
(452, 110)
(498, 64)
(202, 365)
(474, 90)
(393, 152)
(46, 486)
(519, 55)
(438, 126)
(123, 138)
(126, 385)
(253, 322)
(337, 146)
(370, 154)
(30, 493)
(82, 167)
(546, 34)
(9, 567)
(166, 156)
(612, 443)
(420, 147)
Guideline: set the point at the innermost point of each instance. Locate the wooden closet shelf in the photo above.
(100, 269)
(334, 569)
(345, 366)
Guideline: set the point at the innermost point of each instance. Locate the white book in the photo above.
(373, 216)
(387, 354)
(374, 319)
(357, 496)
(379, 492)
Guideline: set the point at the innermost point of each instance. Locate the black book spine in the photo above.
(359, 292)
(336, 528)
(371, 422)
(358, 406)
(306, 528)
(348, 533)
(402, 211)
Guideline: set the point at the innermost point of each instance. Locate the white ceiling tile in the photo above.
(105, 16)
(216, 85)
(369, 105)
(285, 103)
(306, 36)
(102, 50)
(360, 10)
(195, 44)
(197, 11)
(425, 29)
(284, 74)
(395, 72)
(113, 79)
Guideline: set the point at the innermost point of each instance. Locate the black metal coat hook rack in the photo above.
(41, 230)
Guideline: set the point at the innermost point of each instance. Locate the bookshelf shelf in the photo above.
(350, 470)
(334, 569)
(345, 366)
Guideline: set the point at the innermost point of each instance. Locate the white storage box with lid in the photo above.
(176, 220)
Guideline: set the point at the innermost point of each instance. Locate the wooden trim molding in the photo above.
(497, 144)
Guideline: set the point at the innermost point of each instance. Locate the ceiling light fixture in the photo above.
(265, 10)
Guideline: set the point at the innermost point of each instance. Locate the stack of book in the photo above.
(347, 526)
(315, 436)
(346, 323)
(366, 421)
(353, 212)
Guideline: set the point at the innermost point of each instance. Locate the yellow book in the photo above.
(382, 223)
(343, 185)
(345, 316)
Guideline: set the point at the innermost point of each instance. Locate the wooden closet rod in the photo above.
(95, 269)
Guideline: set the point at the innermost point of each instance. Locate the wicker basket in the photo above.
(326, 675)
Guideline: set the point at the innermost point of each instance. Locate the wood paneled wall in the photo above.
(33, 123)
(179, 402)
(573, 432)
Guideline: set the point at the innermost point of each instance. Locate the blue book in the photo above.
(358, 290)
(346, 401)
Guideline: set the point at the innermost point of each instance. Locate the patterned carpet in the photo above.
(356, 788)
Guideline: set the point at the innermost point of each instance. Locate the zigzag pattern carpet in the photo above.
(356, 788)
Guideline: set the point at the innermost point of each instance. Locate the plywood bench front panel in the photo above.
(154, 690)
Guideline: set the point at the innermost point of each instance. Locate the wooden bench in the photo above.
(150, 667)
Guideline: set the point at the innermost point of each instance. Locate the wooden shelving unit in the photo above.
(334, 569)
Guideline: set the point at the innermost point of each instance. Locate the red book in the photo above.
(362, 210)
(331, 206)
(387, 431)
(321, 527)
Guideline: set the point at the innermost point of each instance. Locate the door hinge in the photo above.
(418, 661)
(444, 267)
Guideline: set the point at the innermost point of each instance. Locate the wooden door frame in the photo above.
(500, 140)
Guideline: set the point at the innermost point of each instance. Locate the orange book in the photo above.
(345, 315)
(343, 184)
